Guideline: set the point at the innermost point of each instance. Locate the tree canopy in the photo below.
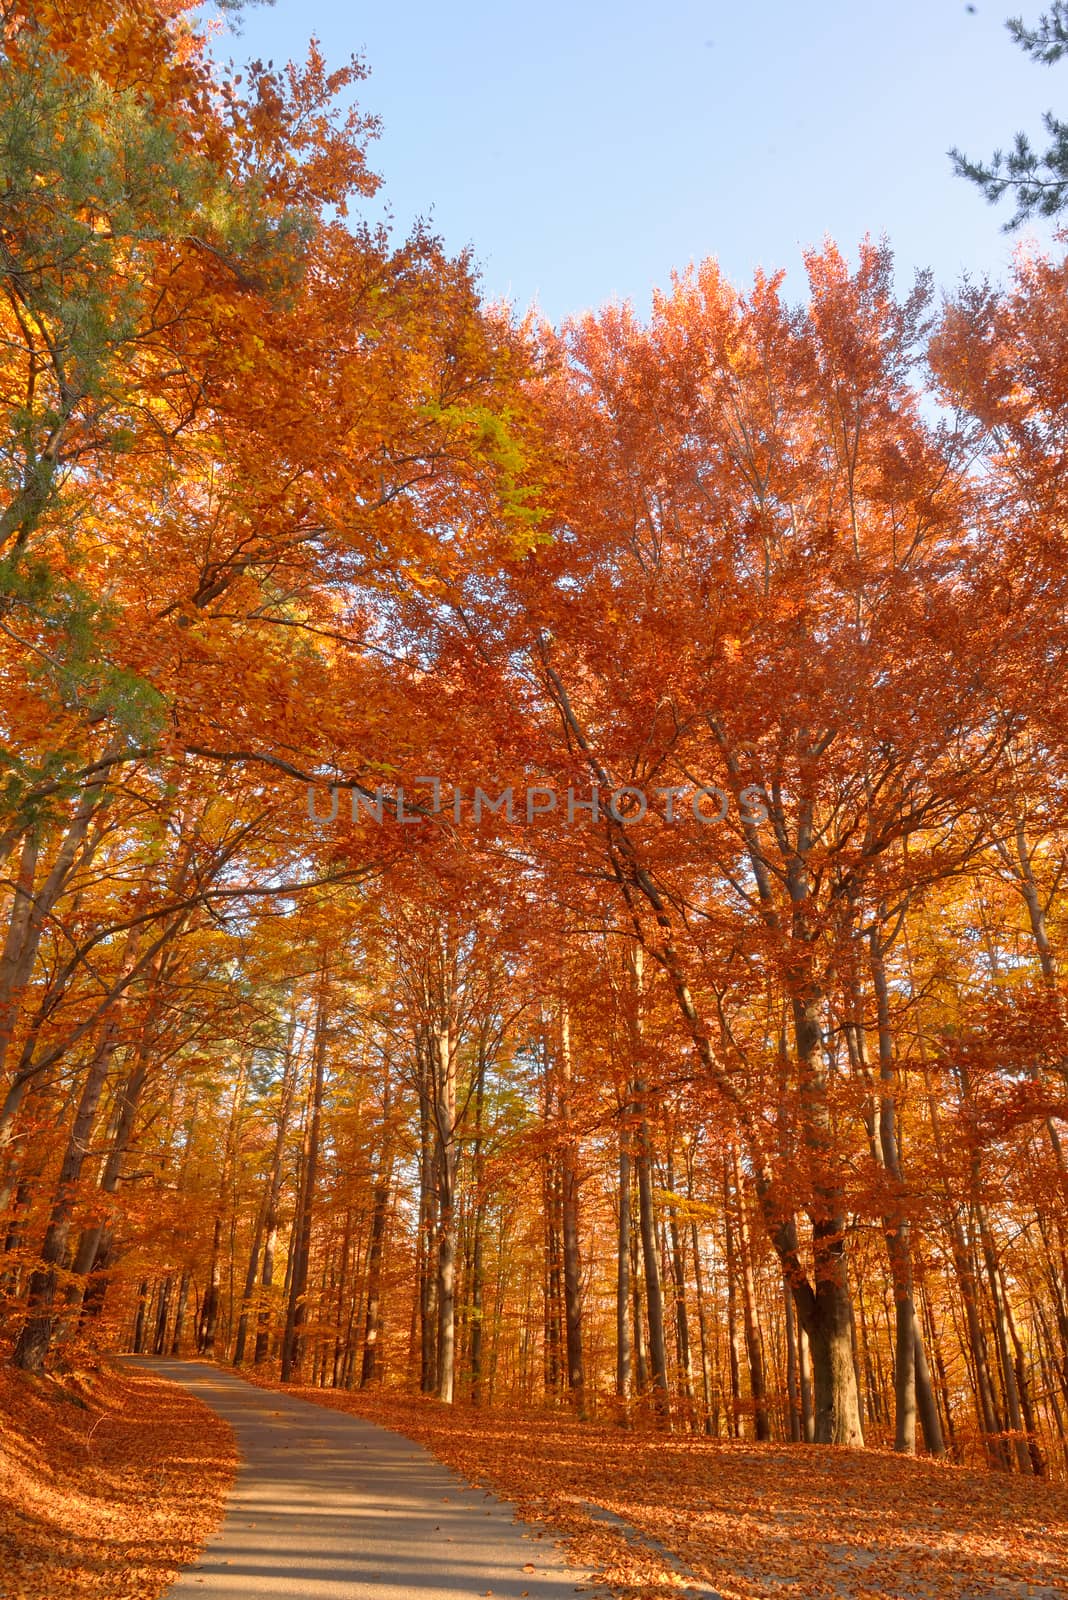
(532, 860)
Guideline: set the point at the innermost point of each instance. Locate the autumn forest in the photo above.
(533, 860)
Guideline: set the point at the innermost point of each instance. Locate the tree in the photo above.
(747, 1044)
(1037, 180)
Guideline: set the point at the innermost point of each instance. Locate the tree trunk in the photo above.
(698, 1278)
(95, 1250)
(912, 1381)
(824, 1307)
(989, 1420)
(734, 1343)
(208, 1326)
(641, 1366)
(553, 1278)
(159, 1343)
(445, 1127)
(654, 1302)
(179, 1315)
(623, 1311)
(569, 1208)
(35, 1336)
(267, 1217)
(682, 1321)
(826, 1320)
(209, 1310)
(478, 1275)
(428, 1365)
(141, 1319)
(1001, 1333)
(296, 1310)
(372, 1319)
(752, 1334)
(808, 1415)
(793, 1396)
(30, 910)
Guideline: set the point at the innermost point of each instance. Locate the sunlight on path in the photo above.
(328, 1507)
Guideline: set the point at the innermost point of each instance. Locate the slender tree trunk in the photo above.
(30, 910)
(623, 1312)
(95, 1250)
(141, 1319)
(752, 1335)
(654, 1302)
(1023, 1385)
(641, 1366)
(734, 1343)
(296, 1310)
(35, 1336)
(943, 1416)
(209, 1310)
(478, 1272)
(698, 1278)
(159, 1343)
(682, 1321)
(267, 1217)
(913, 1393)
(1001, 1334)
(427, 1225)
(793, 1395)
(445, 1121)
(1024, 875)
(570, 1227)
(179, 1315)
(263, 1320)
(989, 1420)
(808, 1413)
(209, 1316)
(373, 1318)
(553, 1278)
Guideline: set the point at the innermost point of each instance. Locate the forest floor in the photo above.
(109, 1483)
(655, 1515)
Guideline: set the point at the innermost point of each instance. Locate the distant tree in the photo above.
(1037, 179)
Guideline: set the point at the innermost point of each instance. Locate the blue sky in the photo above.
(584, 150)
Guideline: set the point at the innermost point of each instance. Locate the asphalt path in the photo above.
(326, 1506)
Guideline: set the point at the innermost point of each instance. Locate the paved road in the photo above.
(328, 1507)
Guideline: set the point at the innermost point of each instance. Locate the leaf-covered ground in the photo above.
(109, 1482)
(751, 1522)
